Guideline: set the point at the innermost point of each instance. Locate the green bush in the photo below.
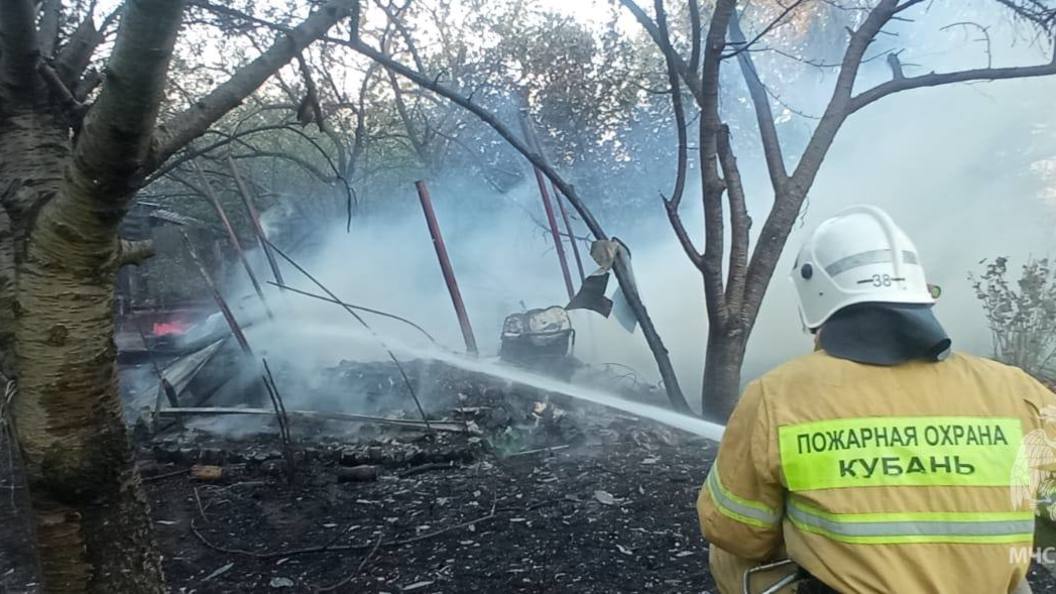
(1021, 315)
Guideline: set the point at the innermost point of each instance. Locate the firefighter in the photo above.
(882, 462)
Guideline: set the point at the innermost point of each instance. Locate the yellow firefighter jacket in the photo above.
(913, 478)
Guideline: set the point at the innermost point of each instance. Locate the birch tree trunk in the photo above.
(64, 202)
(91, 518)
(66, 181)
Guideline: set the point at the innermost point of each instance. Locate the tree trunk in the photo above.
(722, 371)
(91, 518)
(66, 179)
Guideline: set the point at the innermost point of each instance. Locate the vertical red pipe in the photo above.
(568, 229)
(445, 266)
(254, 219)
(224, 309)
(207, 188)
(555, 233)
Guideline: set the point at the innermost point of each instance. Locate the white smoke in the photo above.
(966, 170)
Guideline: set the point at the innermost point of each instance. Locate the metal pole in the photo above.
(533, 141)
(224, 309)
(445, 266)
(554, 232)
(211, 195)
(254, 218)
(568, 229)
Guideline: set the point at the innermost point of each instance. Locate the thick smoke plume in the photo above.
(962, 169)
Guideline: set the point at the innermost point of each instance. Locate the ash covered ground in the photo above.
(606, 518)
(541, 495)
(535, 493)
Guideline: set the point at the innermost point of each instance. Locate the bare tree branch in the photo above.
(820, 65)
(905, 5)
(308, 109)
(195, 120)
(19, 52)
(985, 31)
(88, 83)
(483, 167)
(360, 133)
(74, 109)
(50, 16)
(740, 223)
(220, 9)
(695, 33)
(678, 108)
(705, 90)
(775, 160)
(671, 204)
(285, 156)
(397, 22)
(712, 186)
(76, 54)
(408, 125)
(418, 142)
(837, 110)
(743, 45)
(693, 83)
(484, 115)
(682, 235)
(1042, 15)
(335, 139)
(194, 153)
(113, 145)
(936, 79)
(779, 221)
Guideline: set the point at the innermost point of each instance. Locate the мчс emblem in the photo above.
(1033, 480)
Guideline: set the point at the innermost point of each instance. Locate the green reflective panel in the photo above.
(884, 451)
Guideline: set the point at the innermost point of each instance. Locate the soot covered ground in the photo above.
(607, 518)
(545, 496)
(603, 518)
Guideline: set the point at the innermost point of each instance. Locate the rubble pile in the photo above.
(380, 503)
(490, 413)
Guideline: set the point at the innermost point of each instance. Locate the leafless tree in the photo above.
(733, 299)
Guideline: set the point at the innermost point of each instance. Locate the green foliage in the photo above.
(1021, 314)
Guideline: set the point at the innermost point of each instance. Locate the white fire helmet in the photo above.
(857, 256)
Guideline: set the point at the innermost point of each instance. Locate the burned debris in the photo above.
(508, 471)
(541, 340)
(259, 481)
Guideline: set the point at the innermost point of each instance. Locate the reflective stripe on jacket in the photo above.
(914, 478)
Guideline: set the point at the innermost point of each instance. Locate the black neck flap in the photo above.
(885, 334)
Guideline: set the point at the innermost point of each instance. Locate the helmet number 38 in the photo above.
(881, 280)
